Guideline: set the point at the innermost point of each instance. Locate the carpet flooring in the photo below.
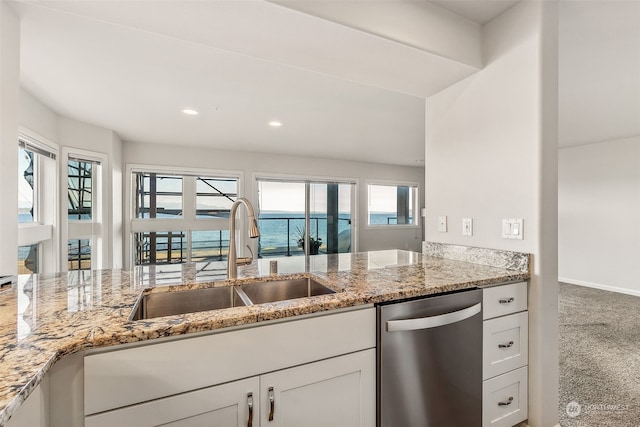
(599, 358)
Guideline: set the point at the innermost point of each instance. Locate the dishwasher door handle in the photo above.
(433, 321)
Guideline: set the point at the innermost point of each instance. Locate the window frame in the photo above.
(43, 231)
(266, 176)
(415, 210)
(188, 222)
(97, 228)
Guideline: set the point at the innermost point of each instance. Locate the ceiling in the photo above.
(344, 84)
(477, 11)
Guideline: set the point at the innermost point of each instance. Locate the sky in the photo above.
(289, 196)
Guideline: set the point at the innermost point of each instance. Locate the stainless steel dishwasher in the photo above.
(430, 361)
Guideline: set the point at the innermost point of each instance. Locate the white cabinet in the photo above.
(33, 411)
(505, 355)
(505, 344)
(505, 399)
(124, 376)
(335, 392)
(503, 300)
(226, 405)
(314, 371)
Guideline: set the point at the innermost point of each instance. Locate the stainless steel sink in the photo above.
(193, 300)
(190, 301)
(280, 290)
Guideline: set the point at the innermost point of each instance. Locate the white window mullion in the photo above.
(189, 198)
(188, 208)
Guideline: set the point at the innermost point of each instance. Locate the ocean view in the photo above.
(279, 234)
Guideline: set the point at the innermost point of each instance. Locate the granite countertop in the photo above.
(45, 317)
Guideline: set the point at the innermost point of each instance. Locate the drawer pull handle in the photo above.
(506, 300)
(507, 403)
(272, 404)
(250, 405)
(510, 344)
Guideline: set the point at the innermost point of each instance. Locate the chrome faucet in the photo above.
(232, 257)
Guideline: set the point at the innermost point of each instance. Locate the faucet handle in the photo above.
(245, 260)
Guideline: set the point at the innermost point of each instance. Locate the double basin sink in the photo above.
(193, 300)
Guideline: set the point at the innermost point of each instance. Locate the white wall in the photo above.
(74, 134)
(491, 153)
(37, 117)
(9, 104)
(252, 163)
(598, 217)
(599, 162)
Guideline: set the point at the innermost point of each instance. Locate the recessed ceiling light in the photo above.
(275, 124)
(190, 112)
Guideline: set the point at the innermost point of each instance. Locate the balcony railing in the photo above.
(170, 247)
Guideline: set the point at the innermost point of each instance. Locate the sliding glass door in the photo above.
(290, 208)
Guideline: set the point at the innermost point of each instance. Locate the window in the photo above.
(27, 181)
(287, 206)
(158, 196)
(36, 204)
(392, 205)
(80, 189)
(84, 237)
(180, 217)
(79, 254)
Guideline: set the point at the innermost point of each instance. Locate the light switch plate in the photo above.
(513, 228)
(467, 226)
(442, 224)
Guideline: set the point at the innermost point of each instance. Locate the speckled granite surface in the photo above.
(43, 318)
(485, 256)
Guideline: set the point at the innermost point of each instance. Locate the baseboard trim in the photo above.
(599, 286)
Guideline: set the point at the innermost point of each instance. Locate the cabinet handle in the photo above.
(510, 344)
(506, 300)
(250, 405)
(272, 404)
(433, 321)
(507, 403)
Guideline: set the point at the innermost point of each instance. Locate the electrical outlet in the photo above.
(442, 224)
(467, 226)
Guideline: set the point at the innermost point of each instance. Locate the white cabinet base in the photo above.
(505, 344)
(505, 399)
(224, 405)
(335, 392)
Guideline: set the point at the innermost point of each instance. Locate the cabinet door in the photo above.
(504, 399)
(334, 392)
(225, 405)
(33, 411)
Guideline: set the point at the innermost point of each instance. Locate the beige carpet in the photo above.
(599, 358)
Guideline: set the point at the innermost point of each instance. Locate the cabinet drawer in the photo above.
(505, 344)
(504, 399)
(503, 300)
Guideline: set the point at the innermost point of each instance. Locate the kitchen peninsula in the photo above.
(46, 318)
